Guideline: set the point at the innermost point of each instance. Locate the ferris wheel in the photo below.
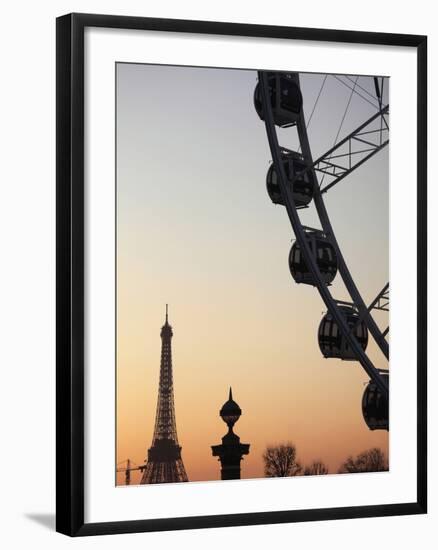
(294, 180)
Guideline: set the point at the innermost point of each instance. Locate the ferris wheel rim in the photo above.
(343, 268)
(298, 229)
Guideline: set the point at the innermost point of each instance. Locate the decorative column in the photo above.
(231, 451)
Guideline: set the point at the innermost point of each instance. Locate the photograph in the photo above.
(252, 274)
(216, 277)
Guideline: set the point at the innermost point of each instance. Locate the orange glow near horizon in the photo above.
(314, 407)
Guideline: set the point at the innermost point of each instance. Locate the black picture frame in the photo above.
(70, 273)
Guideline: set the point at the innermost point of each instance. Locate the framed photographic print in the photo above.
(241, 237)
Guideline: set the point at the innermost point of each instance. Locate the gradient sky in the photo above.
(196, 229)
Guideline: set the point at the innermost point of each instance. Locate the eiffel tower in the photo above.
(164, 463)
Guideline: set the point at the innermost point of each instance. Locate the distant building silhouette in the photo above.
(164, 463)
(231, 451)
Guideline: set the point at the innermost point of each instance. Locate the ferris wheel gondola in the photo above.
(375, 407)
(333, 343)
(324, 254)
(302, 186)
(285, 99)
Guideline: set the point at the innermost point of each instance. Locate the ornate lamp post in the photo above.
(231, 451)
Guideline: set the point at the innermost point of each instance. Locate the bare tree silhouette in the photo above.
(317, 468)
(372, 460)
(281, 461)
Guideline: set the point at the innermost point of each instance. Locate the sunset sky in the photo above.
(197, 230)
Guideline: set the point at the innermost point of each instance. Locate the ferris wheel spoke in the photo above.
(373, 97)
(355, 91)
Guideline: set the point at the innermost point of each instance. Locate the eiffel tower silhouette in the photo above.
(164, 463)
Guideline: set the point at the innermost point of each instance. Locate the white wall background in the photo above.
(27, 276)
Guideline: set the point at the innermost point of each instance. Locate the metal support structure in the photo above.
(381, 301)
(352, 151)
(286, 190)
(355, 149)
